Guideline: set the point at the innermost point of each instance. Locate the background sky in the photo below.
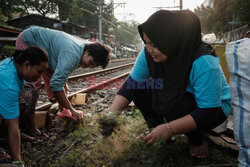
(142, 9)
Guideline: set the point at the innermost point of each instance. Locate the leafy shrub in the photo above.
(6, 51)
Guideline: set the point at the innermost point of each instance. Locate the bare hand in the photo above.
(109, 119)
(161, 132)
(78, 115)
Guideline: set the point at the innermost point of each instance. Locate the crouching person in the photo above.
(23, 65)
(190, 95)
(66, 53)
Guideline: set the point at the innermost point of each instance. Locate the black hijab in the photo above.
(177, 34)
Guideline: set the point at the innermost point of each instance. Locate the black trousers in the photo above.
(206, 119)
(142, 100)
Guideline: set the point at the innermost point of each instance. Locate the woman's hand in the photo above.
(161, 132)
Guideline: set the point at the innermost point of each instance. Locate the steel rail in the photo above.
(89, 89)
(105, 71)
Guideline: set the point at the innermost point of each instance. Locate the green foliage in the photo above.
(240, 9)
(206, 17)
(121, 149)
(64, 9)
(217, 26)
(7, 50)
(82, 12)
(126, 32)
(2, 18)
(89, 10)
(85, 12)
(223, 12)
(7, 7)
(43, 7)
(132, 113)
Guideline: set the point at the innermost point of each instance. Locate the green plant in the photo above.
(7, 51)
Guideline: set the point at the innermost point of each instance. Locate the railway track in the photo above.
(113, 63)
(78, 83)
(85, 90)
(60, 142)
(96, 73)
(218, 139)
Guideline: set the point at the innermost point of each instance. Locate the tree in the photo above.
(223, 15)
(7, 7)
(86, 13)
(127, 32)
(206, 17)
(240, 11)
(82, 12)
(64, 9)
(89, 10)
(109, 19)
(24, 7)
(219, 13)
(43, 7)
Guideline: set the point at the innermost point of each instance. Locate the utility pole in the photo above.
(115, 5)
(100, 17)
(113, 20)
(112, 3)
(100, 22)
(181, 4)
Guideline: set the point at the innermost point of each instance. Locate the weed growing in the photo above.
(122, 148)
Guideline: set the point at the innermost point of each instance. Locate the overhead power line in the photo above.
(89, 3)
(110, 17)
(128, 30)
(171, 7)
(96, 3)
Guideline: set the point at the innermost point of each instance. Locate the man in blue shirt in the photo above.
(66, 53)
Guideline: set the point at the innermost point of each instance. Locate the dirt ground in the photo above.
(85, 144)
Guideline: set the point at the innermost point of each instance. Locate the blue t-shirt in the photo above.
(206, 81)
(10, 86)
(65, 52)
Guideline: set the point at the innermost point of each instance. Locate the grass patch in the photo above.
(122, 148)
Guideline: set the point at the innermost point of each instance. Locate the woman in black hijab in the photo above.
(176, 82)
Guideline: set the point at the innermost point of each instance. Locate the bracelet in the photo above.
(171, 132)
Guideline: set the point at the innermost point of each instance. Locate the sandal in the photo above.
(28, 138)
(4, 156)
(40, 135)
(199, 151)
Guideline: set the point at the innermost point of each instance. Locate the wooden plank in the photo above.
(79, 99)
(40, 118)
